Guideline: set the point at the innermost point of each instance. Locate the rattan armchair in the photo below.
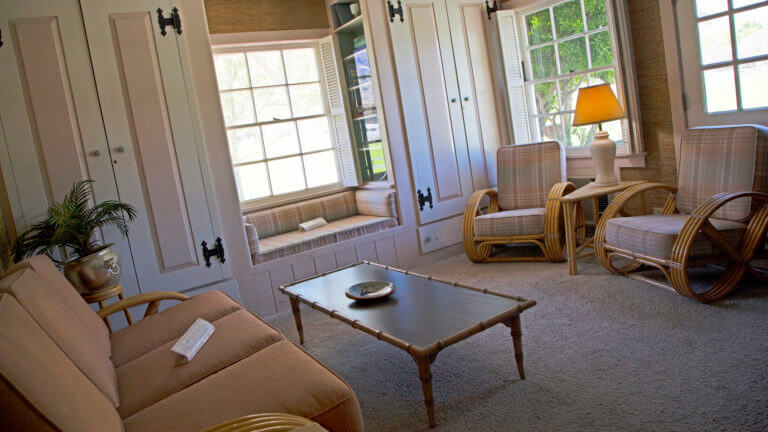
(526, 208)
(716, 216)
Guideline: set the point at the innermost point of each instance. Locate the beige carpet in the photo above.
(601, 353)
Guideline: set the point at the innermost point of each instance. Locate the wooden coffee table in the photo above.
(423, 317)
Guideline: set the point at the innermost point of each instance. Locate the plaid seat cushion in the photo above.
(527, 172)
(510, 223)
(655, 235)
(722, 159)
(294, 242)
(287, 218)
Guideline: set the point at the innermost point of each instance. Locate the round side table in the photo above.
(104, 294)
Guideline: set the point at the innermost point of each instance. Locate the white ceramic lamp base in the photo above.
(603, 151)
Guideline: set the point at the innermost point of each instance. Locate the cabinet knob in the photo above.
(96, 153)
(120, 149)
(453, 100)
(467, 98)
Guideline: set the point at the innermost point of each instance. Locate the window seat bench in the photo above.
(275, 233)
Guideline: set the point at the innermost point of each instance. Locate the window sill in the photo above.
(580, 165)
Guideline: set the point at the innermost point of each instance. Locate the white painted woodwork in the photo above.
(257, 294)
(481, 98)
(431, 105)
(151, 127)
(303, 268)
(440, 234)
(385, 251)
(346, 256)
(280, 276)
(366, 252)
(228, 287)
(325, 263)
(50, 115)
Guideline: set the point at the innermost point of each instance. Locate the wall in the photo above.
(234, 16)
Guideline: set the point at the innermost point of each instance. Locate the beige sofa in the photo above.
(61, 369)
(275, 233)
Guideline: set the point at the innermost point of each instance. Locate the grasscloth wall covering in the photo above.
(236, 16)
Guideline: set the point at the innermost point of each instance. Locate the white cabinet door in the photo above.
(154, 140)
(432, 107)
(50, 116)
(481, 98)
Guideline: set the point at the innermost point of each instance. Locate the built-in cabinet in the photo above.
(451, 105)
(96, 89)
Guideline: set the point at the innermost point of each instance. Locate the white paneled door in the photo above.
(154, 140)
(50, 116)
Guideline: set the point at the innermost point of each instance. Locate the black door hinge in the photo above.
(491, 9)
(174, 21)
(216, 251)
(423, 199)
(395, 11)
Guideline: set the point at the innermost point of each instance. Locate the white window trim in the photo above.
(624, 63)
(305, 194)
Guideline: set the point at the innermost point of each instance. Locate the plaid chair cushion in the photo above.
(655, 235)
(510, 223)
(253, 238)
(722, 159)
(376, 202)
(294, 242)
(527, 172)
(288, 217)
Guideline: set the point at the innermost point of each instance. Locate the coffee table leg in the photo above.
(570, 236)
(425, 375)
(517, 341)
(297, 318)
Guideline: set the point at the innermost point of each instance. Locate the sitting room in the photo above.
(383, 215)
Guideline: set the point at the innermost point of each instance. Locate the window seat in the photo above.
(275, 233)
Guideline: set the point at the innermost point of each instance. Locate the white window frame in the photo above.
(624, 67)
(307, 193)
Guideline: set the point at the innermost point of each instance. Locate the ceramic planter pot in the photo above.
(93, 272)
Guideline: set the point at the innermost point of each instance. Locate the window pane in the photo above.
(245, 144)
(600, 49)
(539, 27)
(719, 89)
(754, 84)
(321, 169)
(306, 99)
(252, 181)
(709, 7)
(266, 68)
(568, 19)
(231, 71)
(751, 32)
(543, 61)
(271, 104)
(715, 40)
(741, 3)
(615, 132)
(573, 55)
(580, 136)
(287, 175)
(300, 65)
(551, 129)
(569, 89)
(606, 76)
(546, 98)
(280, 139)
(595, 12)
(237, 107)
(314, 134)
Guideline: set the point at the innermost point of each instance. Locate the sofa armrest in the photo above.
(152, 299)
(376, 202)
(253, 238)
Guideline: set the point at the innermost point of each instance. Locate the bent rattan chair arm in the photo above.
(616, 206)
(468, 223)
(152, 299)
(553, 221)
(273, 422)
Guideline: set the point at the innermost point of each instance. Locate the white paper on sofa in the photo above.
(192, 340)
(312, 224)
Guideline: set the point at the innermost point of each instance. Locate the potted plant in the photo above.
(71, 225)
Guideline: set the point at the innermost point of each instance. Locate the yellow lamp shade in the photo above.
(597, 104)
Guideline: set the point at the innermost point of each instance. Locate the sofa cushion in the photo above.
(36, 296)
(279, 378)
(69, 297)
(155, 330)
(288, 217)
(526, 173)
(655, 235)
(510, 223)
(337, 231)
(155, 375)
(376, 202)
(40, 388)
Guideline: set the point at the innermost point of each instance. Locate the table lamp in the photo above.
(595, 105)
